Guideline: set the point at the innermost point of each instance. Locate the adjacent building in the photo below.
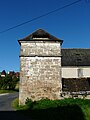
(3, 73)
(75, 63)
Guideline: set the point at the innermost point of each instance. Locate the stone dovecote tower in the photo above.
(40, 67)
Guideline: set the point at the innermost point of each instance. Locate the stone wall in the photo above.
(40, 71)
(40, 49)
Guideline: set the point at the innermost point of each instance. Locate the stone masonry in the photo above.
(40, 67)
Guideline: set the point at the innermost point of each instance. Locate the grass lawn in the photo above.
(67, 109)
(7, 91)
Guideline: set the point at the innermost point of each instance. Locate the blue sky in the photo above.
(72, 24)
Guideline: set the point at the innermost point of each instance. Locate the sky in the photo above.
(71, 24)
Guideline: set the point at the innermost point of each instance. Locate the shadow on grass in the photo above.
(60, 113)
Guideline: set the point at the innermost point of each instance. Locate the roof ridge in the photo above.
(40, 33)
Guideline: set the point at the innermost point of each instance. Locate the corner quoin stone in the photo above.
(40, 67)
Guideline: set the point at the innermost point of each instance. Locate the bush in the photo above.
(29, 103)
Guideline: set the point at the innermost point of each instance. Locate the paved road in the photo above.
(7, 112)
(6, 100)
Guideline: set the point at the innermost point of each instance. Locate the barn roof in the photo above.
(75, 57)
(38, 34)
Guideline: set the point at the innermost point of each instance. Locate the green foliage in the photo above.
(46, 103)
(29, 103)
(16, 106)
(6, 91)
(8, 82)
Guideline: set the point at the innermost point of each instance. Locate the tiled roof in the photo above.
(3, 72)
(40, 33)
(75, 57)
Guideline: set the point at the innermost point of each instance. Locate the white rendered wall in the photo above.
(72, 72)
(68, 72)
(86, 72)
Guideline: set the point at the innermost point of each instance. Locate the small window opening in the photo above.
(77, 53)
(79, 59)
(80, 72)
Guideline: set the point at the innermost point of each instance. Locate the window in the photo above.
(80, 72)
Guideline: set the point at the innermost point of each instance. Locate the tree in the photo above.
(8, 82)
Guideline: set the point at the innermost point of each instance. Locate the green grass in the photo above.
(3, 91)
(6, 91)
(15, 105)
(67, 109)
